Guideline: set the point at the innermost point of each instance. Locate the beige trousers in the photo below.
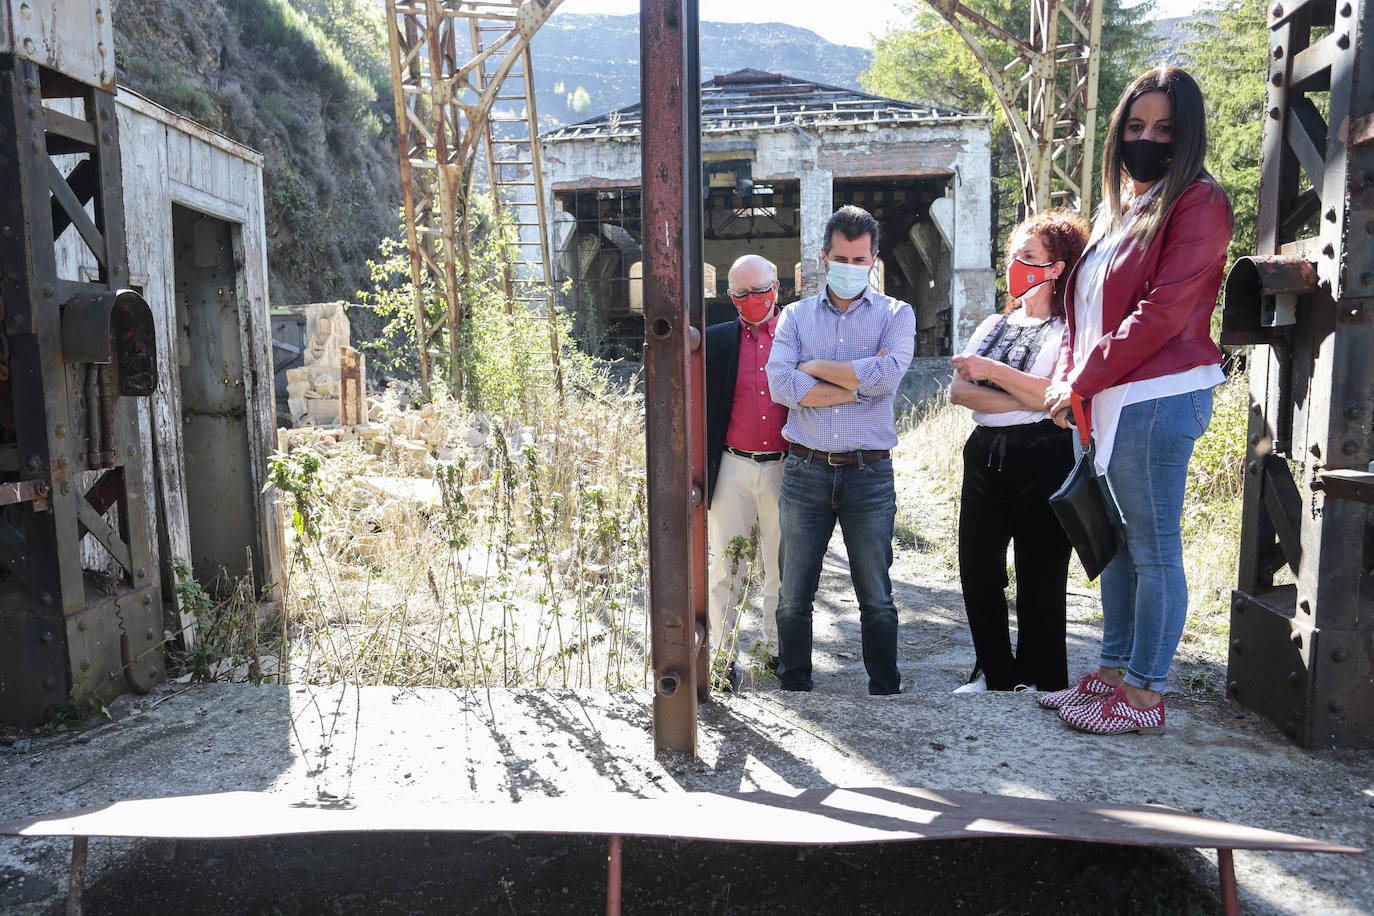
(746, 491)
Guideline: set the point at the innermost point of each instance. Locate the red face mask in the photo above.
(1023, 277)
(754, 306)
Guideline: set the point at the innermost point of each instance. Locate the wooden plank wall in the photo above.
(166, 161)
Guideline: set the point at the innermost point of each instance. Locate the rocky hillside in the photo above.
(307, 83)
(260, 72)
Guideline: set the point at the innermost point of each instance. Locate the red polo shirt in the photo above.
(756, 422)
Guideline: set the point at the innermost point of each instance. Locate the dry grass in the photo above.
(516, 558)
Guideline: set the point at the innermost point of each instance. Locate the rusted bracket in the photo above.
(26, 491)
(1340, 483)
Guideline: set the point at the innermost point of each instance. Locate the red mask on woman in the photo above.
(1023, 277)
(754, 306)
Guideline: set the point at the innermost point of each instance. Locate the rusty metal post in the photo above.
(76, 878)
(613, 844)
(1226, 872)
(674, 379)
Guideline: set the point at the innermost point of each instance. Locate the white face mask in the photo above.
(847, 280)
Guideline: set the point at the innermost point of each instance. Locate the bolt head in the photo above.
(1340, 655)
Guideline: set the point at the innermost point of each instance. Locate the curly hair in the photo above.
(1064, 234)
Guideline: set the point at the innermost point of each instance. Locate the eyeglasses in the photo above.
(741, 296)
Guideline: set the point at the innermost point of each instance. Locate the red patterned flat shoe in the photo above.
(1088, 688)
(1113, 714)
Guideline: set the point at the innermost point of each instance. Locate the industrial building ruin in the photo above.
(780, 155)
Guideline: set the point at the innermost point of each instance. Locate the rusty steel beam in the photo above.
(443, 95)
(1299, 652)
(673, 368)
(1048, 94)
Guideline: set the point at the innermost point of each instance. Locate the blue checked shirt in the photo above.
(815, 329)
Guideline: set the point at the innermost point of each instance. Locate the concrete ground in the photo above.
(314, 743)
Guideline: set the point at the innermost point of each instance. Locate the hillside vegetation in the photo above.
(265, 74)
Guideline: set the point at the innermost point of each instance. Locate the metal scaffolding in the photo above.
(1048, 93)
(456, 67)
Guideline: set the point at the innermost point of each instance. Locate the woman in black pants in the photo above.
(1013, 461)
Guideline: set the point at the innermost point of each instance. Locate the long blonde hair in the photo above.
(1189, 149)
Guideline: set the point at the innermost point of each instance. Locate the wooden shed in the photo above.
(193, 204)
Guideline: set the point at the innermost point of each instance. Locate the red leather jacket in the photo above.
(1158, 301)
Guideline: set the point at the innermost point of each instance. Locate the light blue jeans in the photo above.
(1144, 591)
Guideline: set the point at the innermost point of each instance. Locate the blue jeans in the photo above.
(862, 498)
(1144, 591)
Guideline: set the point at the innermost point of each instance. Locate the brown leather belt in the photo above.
(755, 456)
(839, 459)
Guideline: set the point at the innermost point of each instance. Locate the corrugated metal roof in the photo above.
(749, 100)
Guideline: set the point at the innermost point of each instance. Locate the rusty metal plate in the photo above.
(73, 37)
(806, 817)
(115, 327)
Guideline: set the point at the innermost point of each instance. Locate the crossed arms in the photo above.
(794, 382)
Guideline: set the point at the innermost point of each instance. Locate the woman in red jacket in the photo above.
(1139, 311)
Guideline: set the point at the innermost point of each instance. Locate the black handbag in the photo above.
(1086, 510)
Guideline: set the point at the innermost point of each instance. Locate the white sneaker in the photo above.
(977, 685)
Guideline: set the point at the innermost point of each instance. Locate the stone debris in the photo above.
(327, 389)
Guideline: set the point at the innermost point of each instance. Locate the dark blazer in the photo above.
(722, 366)
(1157, 301)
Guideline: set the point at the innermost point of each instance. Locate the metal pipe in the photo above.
(1226, 869)
(107, 421)
(93, 434)
(613, 875)
(76, 878)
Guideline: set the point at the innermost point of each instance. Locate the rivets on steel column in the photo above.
(50, 683)
(1278, 51)
(1234, 686)
(149, 633)
(48, 291)
(1330, 214)
(152, 672)
(1294, 679)
(131, 451)
(141, 572)
(1236, 646)
(1275, 112)
(1345, 9)
(82, 625)
(118, 270)
(1340, 655)
(1343, 41)
(1349, 447)
(1257, 408)
(147, 599)
(66, 488)
(1277, 10)
(60, 432)
(107, 138)
(1352, 413)
(1276, 78)
(1336, 704)
(1254, 439)
(1316, 449)
(1329, 250)
(1253, 467)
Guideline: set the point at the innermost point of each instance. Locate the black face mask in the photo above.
(1146, 161)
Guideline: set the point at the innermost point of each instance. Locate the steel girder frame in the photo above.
(71, 456)
(443, 100)
(1302, 653)
(1048, 93)
(674, 378)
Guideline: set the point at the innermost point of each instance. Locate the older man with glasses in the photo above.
(836, 363)
(744, 451)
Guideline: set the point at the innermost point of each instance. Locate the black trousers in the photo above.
(1009, 474)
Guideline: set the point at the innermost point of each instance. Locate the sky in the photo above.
(860, 20)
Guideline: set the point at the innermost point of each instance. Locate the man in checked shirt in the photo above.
(836, 362)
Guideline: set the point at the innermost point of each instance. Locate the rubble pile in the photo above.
(327, 389)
